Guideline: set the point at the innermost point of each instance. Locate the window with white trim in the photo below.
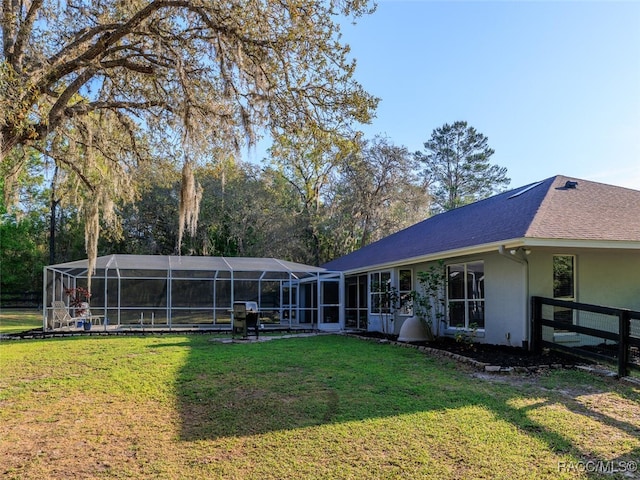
(380, 284)
(465, 295)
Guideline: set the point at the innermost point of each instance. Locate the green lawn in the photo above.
(323, 407)
(14, 321)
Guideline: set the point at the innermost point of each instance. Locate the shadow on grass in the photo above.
(245, 389)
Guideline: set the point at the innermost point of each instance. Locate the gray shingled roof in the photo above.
(541, 210)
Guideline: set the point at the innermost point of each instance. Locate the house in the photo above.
(560, 238)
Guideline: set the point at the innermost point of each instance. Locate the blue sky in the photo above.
(555, 86)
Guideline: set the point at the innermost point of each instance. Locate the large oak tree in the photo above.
(100, 85)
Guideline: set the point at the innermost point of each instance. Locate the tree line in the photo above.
(304, 203)
(122, 123)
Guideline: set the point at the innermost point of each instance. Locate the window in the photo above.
(380, 289)
(563, 277)
(465, 295)
(564, 285)
(405, 286)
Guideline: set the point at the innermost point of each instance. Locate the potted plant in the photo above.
(79, 300)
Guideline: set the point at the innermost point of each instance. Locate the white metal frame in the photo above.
(113, 268)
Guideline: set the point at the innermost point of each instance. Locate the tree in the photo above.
(245, 211)
(238, 212)
(379, 191)
(91, 77)
(309, 162)
(22, 242)
(457, 166)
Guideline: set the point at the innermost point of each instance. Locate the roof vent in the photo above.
(570, 184)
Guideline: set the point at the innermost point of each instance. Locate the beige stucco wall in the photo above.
(604, 277)
(506, 308)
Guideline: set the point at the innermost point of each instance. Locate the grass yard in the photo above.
(15, 321)
(323, 407)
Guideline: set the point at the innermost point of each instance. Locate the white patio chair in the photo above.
(61, 316)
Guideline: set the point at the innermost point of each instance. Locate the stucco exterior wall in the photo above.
(506, 307)
(603, 277)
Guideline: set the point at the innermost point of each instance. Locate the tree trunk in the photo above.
(52, 220)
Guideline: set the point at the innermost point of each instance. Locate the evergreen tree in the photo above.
(457, 167)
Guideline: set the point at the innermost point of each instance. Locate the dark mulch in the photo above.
(506, 356)
(499, 355)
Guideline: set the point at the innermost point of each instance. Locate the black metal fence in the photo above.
(601, 333)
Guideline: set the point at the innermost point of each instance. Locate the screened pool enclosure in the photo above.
(167, 292)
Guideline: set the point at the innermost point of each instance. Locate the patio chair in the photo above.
(61, 317)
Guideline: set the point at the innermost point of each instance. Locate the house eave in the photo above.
(495, 246)
(441, 255)
(582, 243)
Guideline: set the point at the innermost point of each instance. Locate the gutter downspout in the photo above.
(523, 261)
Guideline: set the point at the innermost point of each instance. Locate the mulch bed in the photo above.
(497, 355)
(504, 355)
